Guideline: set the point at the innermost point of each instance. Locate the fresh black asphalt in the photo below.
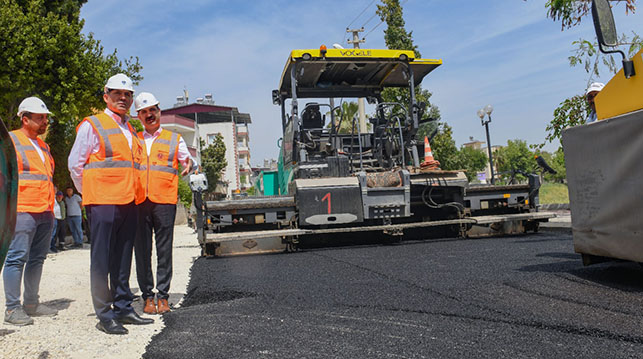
(512, 297)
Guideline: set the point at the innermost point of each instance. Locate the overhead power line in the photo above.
(361, 13)
(357, 17)
(380, 23)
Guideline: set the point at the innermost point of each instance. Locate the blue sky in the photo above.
(500, 52)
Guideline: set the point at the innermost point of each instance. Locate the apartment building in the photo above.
(204, 119)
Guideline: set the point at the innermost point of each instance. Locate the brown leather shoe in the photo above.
(163, 307)
(150, 307)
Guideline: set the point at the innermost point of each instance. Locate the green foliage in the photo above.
(60, 137)
(136, 123)
(551, 193)
(213, 160)
(473, 161)
(557, 162)
(444, 148)
(571, 112)
(45, 55)
(587, 54)
(185, 193)
(347, 112)
(252, 191)
(515, 156)
(574, 110)
(571, 12)
(396, 37)
(452, 158)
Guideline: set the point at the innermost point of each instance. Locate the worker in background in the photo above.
(35, 218)
(104, 163)
(590, 94)
(60, 211)
(159, 176)
(74, 205)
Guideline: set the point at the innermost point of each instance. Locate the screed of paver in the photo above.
(72, 333)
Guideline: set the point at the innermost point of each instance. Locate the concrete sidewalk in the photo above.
(563, 220)
(72, 333)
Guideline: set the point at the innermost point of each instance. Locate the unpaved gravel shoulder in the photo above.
(72, 333)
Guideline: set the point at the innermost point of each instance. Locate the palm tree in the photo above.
(346, 113)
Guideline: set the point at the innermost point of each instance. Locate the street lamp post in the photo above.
(481, 112)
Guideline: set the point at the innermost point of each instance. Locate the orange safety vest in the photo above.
(160, 174)
(110, 175)
(35, 177)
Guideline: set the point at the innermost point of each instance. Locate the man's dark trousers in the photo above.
(159, 219)
(113, 229)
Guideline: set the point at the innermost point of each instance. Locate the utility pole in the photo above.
(360, 101)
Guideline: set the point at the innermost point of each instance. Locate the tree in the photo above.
(557, 162)
(46, 55)
(185, 193)
(136, 123)
(444, 148)
(213, 160)
(516, 156)
(571, 12)
(473, 161)
(451, 158)
(346, 113)
(396, 37)
(574, 110)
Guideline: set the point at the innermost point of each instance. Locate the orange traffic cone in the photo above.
(429, 161)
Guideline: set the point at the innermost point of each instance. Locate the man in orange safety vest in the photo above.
(104, 164)
(34, 220)
(160, 179)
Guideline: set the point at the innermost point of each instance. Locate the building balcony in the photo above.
(243, 150)
(242, 130)
(177, 123)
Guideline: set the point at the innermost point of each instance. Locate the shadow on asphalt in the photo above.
(206, 296)
(560, 255)
(622, 275)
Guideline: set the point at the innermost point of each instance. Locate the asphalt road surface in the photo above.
(512, 297)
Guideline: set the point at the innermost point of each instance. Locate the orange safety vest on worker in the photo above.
(111, 175)
(35, 177)
(160, 174)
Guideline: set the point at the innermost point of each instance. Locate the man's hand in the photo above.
(187, 169)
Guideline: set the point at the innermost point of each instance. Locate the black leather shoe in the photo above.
(133, 318)
(111, 327)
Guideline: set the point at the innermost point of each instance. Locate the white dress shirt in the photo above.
(87, 143)
(183, 156)
(38, 149)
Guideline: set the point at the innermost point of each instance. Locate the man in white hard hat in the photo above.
(104, 164)
(159, 176)
(590, 94)
(34, 218)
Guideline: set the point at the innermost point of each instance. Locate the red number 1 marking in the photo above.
(324, 198)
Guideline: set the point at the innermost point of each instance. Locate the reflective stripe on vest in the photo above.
(35, 187)
(110, 175)
(26, 168)
(162, 186)
(108, 162)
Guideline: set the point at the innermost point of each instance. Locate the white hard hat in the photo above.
(33, 105)
(145, 99)
(119, 82)
(595, 86)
